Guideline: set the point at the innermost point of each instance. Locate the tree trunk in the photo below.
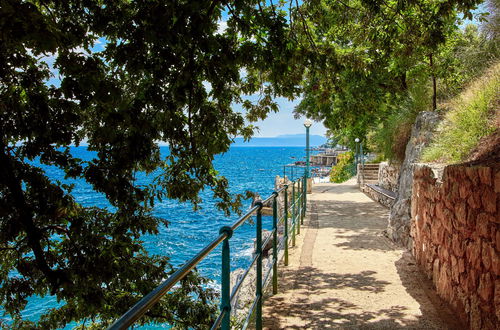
(434, 92)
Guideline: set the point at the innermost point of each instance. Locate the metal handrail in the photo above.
(225, 233)
(143, 305)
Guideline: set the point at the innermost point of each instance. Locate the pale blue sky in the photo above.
(282, 122)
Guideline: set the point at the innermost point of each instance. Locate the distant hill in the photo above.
(289, 140)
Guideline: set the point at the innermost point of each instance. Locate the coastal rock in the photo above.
(245, 296)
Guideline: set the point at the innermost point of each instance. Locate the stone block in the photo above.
(472, 279)
(444, 287)
(457, 245)
(437, 233)
(483, 225)
(497, 239)
(454, 193)
(497, 298)
(461, 265)
(474, 200)
(455, 272)
(435, 271)
(464, 189)
(485, 175)
(448, 219)
(495, 261)
(461, 212)
(489, 200)
(473, 254)
(497, 182)
(486, 255)
(472, 174)
(486, 287)
(471, 221)
(475, 314)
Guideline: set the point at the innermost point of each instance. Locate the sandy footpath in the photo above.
(345, 274)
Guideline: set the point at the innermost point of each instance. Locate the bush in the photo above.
(471, 116)
(345, 168)
(392, 136)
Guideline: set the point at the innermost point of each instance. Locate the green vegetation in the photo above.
(345, 168)
(382, 68)
(122, 75)
(472, 115)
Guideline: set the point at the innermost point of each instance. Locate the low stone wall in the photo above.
(388, 175)
(377, 196)
(456, 238)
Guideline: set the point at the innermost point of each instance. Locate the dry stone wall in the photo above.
(456, 238)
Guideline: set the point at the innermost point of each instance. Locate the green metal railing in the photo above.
(294, 206)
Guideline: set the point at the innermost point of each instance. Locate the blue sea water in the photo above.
(246, 168)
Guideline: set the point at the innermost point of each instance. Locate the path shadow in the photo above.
(357, 233)
(334, 313)
(422, 290)
(309, 312)
(363, 281)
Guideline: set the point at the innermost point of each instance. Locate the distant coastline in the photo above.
(293, 140)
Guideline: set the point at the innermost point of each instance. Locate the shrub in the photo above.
(345, 168)
(392, 136)
(471, 116)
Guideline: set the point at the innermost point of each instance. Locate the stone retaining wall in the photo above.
(456, 238)
(388, 175)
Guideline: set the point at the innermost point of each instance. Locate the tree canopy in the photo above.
(167, 72)
(370, 54)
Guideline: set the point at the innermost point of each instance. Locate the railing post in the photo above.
(225, 305)
(299, 205)
(275, 243)
(305, 194)
(286, 225)
(294, 201)
(258, 291)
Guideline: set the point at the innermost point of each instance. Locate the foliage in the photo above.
(465, 56)
(473, 114)
(120, 76)
(392, 135)
(491, 27)
(371, 58)
(344, 169)
(367, 55)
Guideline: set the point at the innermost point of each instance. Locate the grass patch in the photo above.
(472, 115)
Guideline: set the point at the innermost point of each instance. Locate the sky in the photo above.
(283, 122)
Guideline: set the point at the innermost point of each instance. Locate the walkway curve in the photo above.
(345, 274)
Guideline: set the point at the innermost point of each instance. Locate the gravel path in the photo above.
(345, 274)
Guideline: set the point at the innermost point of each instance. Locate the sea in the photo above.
(246, 168)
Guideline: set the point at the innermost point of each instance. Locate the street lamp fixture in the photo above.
(356, 153)
(307, 125)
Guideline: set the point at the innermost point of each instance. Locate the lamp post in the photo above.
(356, 156)
(362, 156)
(307, 124)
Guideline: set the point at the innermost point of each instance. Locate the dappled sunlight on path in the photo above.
(345, 274)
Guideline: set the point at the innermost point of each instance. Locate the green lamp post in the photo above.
(307, 125)
(356, 154)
